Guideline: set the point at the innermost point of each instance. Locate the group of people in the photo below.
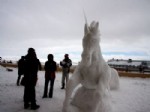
(29, 65)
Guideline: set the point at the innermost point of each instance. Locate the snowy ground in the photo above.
(133, 95)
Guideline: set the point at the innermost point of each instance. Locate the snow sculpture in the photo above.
(92, 74)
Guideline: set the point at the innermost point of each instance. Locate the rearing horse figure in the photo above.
(93, 74)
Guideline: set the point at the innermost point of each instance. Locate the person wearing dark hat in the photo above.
(66, 64)
(32, 65)
(50, 69)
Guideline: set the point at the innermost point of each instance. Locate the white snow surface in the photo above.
(133, 95)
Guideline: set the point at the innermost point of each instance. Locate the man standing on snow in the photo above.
(66, 64)
(32, 64)
(20, 69)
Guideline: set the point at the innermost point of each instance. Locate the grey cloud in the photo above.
(25, 22)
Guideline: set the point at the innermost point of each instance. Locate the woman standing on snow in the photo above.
(50, 69)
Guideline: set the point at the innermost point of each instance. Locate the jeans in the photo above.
(47, 80)
(65, 76)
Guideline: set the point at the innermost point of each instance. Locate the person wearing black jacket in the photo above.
(20, 69)
(32, 65)
(50, 69)
(66, 64)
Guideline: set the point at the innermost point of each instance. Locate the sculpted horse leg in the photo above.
(73, 82)
(104, 91)
(114, 81)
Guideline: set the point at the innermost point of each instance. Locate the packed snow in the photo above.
(133, 95)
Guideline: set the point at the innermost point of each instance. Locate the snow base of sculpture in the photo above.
(88, 100)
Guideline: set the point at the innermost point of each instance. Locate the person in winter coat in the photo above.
(20, 69)
(50, 69)
(32, 65)
(66, 64)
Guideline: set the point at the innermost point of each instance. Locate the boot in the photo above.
(17, 83)
(26, 105)
(35, 106)
(44, 96)
(63, 86)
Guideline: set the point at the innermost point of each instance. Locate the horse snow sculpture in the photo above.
(94, 76)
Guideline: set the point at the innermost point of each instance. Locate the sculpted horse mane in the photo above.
(93, 75)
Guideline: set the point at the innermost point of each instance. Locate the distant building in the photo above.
(130, 65)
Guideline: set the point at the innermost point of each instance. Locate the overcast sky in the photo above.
(56, 26)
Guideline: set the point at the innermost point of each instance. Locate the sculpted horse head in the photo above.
(91, 39)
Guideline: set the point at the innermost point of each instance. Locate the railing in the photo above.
(133, 69)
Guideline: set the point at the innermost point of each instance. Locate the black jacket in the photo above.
(50, 68)
(32, 65)
(21, 67)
